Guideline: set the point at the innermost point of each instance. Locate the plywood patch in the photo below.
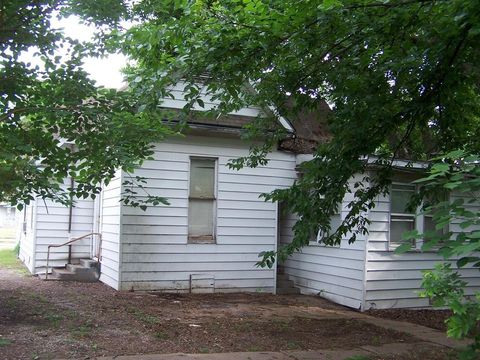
(202, 283)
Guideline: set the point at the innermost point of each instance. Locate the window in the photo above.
(403, 220)
(202, 201)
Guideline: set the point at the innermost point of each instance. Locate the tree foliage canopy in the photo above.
(402, 77)
(52, 101)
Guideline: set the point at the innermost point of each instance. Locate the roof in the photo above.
(305, 129)
(310, 126)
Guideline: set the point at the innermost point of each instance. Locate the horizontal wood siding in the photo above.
(335, 273)
(393, 281)
(177, 101)
(52, 229)
(26, 238)
(110, 229)
(155, 252)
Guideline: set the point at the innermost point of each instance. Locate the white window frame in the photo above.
(192, 239)
(418, 218)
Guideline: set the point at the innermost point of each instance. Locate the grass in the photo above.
(292, 345)
(55, 320)
(8, 260)
(82, 330)
(359, 357)
(162, 335)
(4, 342)
(143, 317)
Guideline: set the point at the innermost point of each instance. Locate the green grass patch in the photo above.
(162, 335)
(55, 320)
(144, 317)
(82, 331)
(293, 345)
(8, 260)
(5, 342)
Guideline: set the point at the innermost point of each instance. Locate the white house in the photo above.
(209, 238)
(7, 215)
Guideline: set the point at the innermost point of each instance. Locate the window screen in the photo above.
(401, 219)
(201, 204)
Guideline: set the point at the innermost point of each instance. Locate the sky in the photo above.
(106, 72)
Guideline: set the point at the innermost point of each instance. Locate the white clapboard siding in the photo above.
(111, 231)
(176, 100)
(26, 235)
(48, 225)
(392, 280)
(335, 273)
(155, 252)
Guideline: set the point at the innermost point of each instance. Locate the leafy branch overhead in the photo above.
(401, 76)
(54, 122)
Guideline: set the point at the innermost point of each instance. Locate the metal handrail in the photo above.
(70, 247)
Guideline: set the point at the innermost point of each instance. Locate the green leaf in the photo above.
(403, 248)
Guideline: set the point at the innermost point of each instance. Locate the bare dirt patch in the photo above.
(43, 320)
(434, 319)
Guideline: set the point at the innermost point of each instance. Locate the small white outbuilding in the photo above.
(210, 236)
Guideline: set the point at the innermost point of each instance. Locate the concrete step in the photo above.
(288, 291)
(62, 274)
(89, 263)
(285, 284)
(77, 272)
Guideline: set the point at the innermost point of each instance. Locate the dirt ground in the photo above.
(434, 319)
(47, 319)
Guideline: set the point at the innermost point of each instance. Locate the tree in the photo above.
(457, 172)
(44, 105)
(402, 77)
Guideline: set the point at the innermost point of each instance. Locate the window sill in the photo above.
(314, 243)
(201, 240)
(414, 251)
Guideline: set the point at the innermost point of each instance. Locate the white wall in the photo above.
(52, 229)
(178, 102)
(155, 252)
(335, 273)
(110, 228)
(393, 281)
(26, 235)
(47, 224)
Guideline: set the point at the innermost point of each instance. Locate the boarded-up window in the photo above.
(401, 219)
(202, 201)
